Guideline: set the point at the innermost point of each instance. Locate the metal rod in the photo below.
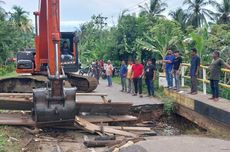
(56, 61)
(36, 25)
(204, 79)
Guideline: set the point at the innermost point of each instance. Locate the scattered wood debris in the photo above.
(95, 128)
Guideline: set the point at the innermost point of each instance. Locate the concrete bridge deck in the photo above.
(209, 114)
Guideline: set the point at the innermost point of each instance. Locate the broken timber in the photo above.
(99, 112)
(22, 103)
(101, 143)
(101, 129)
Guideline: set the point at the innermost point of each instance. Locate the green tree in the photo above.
(219, 39)
(2, 11)
(155, 8)
(165, 34)
(12, 39)
(223, 12)
(180, 16)
(20, 18)
(198, 12)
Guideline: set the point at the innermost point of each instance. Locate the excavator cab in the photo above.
(70, 62)
(26, 58)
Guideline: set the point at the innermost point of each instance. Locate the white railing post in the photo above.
(182, 75)
(204, 83)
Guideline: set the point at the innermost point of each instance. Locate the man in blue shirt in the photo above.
(123, 73)
(195, 64)
(168, 68)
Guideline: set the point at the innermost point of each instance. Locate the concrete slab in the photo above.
(180, 144)
(216, 110)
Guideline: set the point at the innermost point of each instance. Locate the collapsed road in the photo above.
(115, 131)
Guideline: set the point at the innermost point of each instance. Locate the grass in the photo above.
(7, 145)
(10, 74)
(3, 140)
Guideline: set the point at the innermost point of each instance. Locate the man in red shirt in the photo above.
(137, 74)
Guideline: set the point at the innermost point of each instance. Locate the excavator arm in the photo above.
(53, 104)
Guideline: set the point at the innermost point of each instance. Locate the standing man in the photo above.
(168, 68)
(123, 74)
(215, 72)
(150, 75)
(195, 65)
(137, 74)
(129, 77)
(98, 71)
(176, 69)
(109, 73)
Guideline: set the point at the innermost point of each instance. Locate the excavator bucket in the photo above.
(54, 111)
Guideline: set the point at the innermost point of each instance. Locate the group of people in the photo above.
(135, 72)
(173, 65)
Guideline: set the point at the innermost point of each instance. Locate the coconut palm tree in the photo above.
(155, 8)
(2, 11)
(223, 12)
(180, 16)
(20, 19)
(198, 12)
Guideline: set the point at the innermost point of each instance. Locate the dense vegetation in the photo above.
(150, 34)
(16, 32)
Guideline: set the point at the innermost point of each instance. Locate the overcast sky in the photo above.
(76, 12)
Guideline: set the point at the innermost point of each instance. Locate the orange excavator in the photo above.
(49, 55)
(50, 71)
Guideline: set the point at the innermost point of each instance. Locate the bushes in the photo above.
(5, 70)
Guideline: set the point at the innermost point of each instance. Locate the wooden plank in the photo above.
(16, 119)
(101, 143)
(126, 128)
(95, 128)
(91, 94)
(104, 99)
(16, 94)
(8, 103)
(203, 121)
(100, 118)
(116, 108)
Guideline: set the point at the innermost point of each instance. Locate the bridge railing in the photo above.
(225, 83)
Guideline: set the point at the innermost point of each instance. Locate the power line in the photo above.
(137, 5)
(132, 7)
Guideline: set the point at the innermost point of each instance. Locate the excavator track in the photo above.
(83, 83)
(26, 83)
